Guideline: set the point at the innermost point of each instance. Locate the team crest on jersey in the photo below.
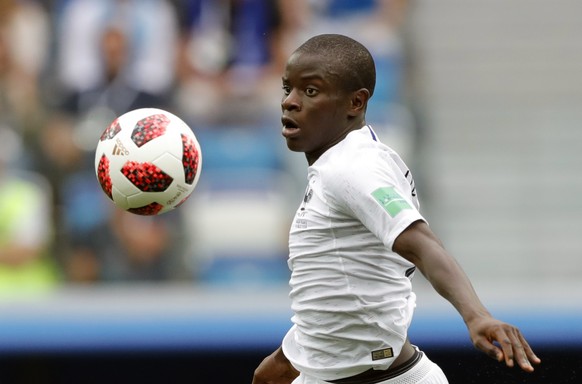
(308, 195)
(391, 200)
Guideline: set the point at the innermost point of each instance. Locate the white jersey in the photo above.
(351, 294)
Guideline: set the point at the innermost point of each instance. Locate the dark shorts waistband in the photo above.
(373, 376)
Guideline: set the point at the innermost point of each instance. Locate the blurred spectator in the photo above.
(24, 44)
(26, 261)
(114, 56)
(228, 59)
(94, 108)
(78, 203)
(129, 248)
(26, 267)
(151, 28)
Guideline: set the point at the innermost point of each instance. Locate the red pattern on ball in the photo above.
(148, 210)
(146, 176)
(103, 176)
(190, 158)
(149, 128)
(113, 129)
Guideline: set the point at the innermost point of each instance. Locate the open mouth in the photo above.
(290, 127)
(289, 123)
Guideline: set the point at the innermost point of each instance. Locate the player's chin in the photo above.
(294, 145)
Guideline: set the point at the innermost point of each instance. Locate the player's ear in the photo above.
(359, 101)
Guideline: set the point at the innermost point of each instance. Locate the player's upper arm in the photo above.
(415, 242)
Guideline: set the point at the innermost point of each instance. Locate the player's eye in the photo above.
(311, 92)
(286, 90)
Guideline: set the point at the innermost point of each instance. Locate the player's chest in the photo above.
(317, 212)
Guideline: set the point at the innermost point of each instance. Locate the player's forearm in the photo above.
(419, 245)
(451, 282)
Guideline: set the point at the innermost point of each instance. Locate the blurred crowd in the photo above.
(69, 67)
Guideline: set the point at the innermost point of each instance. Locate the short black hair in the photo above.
(349, 57)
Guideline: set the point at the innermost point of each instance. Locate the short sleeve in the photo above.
(378, 194)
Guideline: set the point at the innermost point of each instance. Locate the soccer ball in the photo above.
(148, 161)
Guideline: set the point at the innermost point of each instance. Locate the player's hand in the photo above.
(275, 369)
(502, 342)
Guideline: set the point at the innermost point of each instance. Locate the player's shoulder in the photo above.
(356, 156)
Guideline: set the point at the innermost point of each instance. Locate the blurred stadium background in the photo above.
(482, 99)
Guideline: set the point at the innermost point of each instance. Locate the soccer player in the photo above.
(357, 239)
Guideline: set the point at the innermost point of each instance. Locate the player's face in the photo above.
(315, 109)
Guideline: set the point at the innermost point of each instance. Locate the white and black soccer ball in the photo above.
(148, 161)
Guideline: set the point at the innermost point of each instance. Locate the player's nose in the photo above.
(290, 102)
